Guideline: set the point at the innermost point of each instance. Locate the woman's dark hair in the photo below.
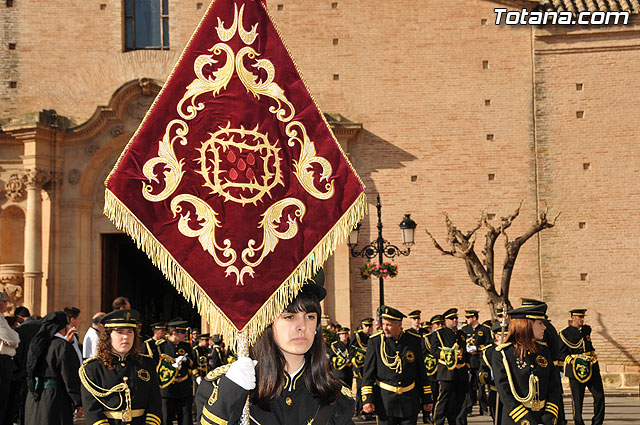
(522, 337)
(105, 350)
(318, 379)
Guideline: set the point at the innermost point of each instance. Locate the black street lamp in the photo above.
(382, 247)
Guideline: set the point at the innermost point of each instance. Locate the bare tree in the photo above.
(481, 272)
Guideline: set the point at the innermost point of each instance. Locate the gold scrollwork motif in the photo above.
(226, 34)
(204, 84)
(256, 145)
(303, 167)
(271, 219)
(267, 87)
(173, 168)
(207, 219)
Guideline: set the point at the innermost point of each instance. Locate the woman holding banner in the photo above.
(287, 376)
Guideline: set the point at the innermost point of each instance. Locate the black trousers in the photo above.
(177, 406)
(450, 404)
(6, 369)
(476, 393)
(358, 394)
(577, 396)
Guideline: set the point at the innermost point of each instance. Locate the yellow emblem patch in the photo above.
(181, 351)
(410, 356)
(480, 333)
(144, 375)
(364, 398)
(525, 422)
(542, 361)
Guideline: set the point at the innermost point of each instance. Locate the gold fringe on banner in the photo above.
(126, 221)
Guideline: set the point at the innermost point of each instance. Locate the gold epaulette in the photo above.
(501, 346)
(146, 355)
(160, 341)
(376, 334)
(346, 391)
(90, 359)
(217, 372)
(413, 332)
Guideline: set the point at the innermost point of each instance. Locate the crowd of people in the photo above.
(297, 372)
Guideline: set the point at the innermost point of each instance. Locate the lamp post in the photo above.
(382, 247)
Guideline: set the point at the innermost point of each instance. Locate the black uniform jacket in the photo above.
(151, 348)
(182, 386)
(140, 377)
(357, 351)
(512, 379)
(395, 377)
(221, 401)
(340, 362)
(578, 353)
(485, 371)
(480, 336)
(445, 343)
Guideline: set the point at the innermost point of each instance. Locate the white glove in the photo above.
(179, 361)
(198, 379)
(243, 372)
(471, 348)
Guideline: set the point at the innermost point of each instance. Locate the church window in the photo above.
(146, 24)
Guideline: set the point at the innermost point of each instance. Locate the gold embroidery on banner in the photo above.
(226, 34)
(267, 87)
(303, 167)
(203, 84)
(227, 183)
(173, 168)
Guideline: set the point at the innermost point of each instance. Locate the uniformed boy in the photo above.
(395, 378)
(203, 355)
(340, 359)
(357, 353)
(448, 346)
(581, 367)
(177, 364)
(151, 345)
(478, 336)
(414, 319)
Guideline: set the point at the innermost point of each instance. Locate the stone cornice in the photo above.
(114, 111)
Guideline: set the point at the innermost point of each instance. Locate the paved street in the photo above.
(619, 411)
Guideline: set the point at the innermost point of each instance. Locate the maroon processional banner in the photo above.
(234, 184)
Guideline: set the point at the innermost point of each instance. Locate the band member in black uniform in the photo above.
(177, 364)
(448, 346)
(52, 375)
(203, 355)
(395, 379)
(552, 339)
(357, 353)
(340, 360)
(430, 364)
(414, 319)
(485, 373)
(478, 336)
(437, 322)
(218, 356)
(581, 367)
(291, 384)
(150, 346)
(523, 371)
(120, 385)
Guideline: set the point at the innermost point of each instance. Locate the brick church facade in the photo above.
(439, 109)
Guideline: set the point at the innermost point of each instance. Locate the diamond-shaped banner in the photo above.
(234, 184)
